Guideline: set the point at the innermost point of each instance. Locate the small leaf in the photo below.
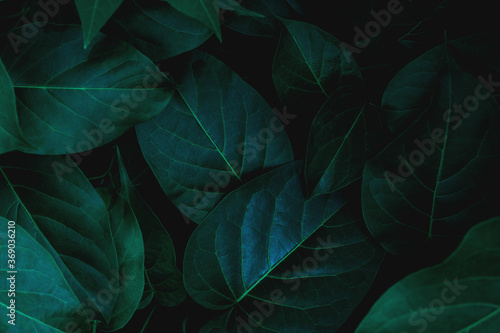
(458, 295)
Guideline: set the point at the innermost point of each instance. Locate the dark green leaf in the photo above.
(309, 64)
(163, 278)
(430, 182)
(458, 295)
(73, 100)
(242, 256)
(215, 130)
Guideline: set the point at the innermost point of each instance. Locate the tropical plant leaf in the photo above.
(458, 295)
(11, 137)
(241, 257)
(85, 98)
(94, 14)
(309, 64)
(156, 29)
(215, 130)
(429, 182)
(69, 220)
(163, 278)
(127, 239)
(38, 280)
(235, 7)
(338, 147)
(205, 11)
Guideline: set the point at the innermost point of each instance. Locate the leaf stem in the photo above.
(148, 318)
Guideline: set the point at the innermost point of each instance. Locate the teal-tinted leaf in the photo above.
(309, 64)
(163, 278)
(44, 302)
(215, 130)
(337, 148)
(72, 100)
(438, 178)
(267, 26)
(235, 7)
(94, 14)
(242, 257)
(10, 133)
(205, 11)
(157, 29)
(218, 324)
(68, 219)
(458, 295)
(127, 238)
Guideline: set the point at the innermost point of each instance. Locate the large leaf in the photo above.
(94, 14)
(127, 238)
(38, 280)
(69, 220)
(215, 130)
(309, 64)
(437, 178)
(163, 278)
(458, 295)
(157, 29)
(73, 100)
(10, 133)
(281, 263)
(205, 11)
(337, 147)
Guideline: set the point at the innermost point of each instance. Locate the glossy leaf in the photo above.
(94, 14)
(309, 64)
(338, 147)
(215, 130)
(156, 29)
(458, 295)
(205, 11)
(68, 219)
(84, 98)
(38, 280)
(163, 278)
(242, 256)
(11, 137)
(430, 181)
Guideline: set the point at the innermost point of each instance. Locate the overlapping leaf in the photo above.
(309, 64)
(94, 14)
(458, 295)
(281, 263)
(438, 177)
(215, 130)
(38, 280)
(337, 148)
(163, 278)
(157, 29)
(73, 100)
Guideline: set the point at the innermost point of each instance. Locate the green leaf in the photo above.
(309, 64)
(163, 278)
(94, 14)
(69, 220)
(215, 131)
(458, 295)
(235, 7)
(430, 183)
(156, 29)
(38, 281)
(205, 11)
(301, 265)
(338, 147)
(127, 238)
(11, 136)
(72, 100)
